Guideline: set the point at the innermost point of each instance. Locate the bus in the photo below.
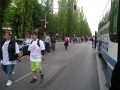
(108, 39)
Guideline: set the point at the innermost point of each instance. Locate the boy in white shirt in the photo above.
(36, 56)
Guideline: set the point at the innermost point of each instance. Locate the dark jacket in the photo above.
(11, 50)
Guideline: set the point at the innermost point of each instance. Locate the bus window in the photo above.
(114, 18)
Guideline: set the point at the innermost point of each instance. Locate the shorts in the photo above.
(36, 66)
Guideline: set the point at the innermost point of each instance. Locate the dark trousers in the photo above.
(66, 45)
(47, 47)
(8, 69)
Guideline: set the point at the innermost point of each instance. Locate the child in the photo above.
(36, 56)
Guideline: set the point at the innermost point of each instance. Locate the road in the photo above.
(72, 69)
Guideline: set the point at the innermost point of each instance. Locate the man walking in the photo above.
(93, 41)
(47, 43)
(36, 56)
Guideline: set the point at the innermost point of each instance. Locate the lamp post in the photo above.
(46, 15)
(53, 8)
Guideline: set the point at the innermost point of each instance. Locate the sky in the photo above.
(93, 10)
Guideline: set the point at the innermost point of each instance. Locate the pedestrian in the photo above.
(36, 56)
(70, 39)
(66, 42)
(93, 41)
(53, 41)
(73, 39)
(81, 39)
(9, 53)
(85, 39)
(47, 43)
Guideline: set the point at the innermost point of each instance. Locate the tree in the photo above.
(62, 17)
(25, 15)
(70, 23)
(3, 5)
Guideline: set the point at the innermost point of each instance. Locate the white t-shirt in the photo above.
(93, 38)
(47, 39)
(35, 50)
(5, 60)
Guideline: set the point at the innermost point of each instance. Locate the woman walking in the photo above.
(93, 42)
(36, 56)
(9, 53)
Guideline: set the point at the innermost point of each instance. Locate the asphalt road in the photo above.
(72, 69)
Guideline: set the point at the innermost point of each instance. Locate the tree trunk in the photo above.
(0, 30)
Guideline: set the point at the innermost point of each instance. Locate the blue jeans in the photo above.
(8, 69)
(93, 44)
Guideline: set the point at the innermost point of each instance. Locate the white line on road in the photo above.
(27, 74)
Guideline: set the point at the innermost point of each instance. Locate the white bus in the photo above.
(108, 31)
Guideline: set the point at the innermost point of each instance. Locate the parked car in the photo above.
(23, 45)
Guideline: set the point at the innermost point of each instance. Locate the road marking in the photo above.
(28, 74)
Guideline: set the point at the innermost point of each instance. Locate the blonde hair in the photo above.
(9, 33)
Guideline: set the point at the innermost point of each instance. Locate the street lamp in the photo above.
(46, 15)
(53, 8)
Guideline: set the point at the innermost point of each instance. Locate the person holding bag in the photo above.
(9, 53)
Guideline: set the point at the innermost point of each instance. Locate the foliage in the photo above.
(25, 15)
(3, 5)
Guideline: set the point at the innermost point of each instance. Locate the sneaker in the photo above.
(9, 83)
(13, 72)
(33, 80)
(42, 76)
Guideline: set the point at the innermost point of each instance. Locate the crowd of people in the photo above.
(9, 52)
(80, 39)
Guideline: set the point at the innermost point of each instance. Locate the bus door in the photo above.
(118, 31)
(95, 39)
(115, 24)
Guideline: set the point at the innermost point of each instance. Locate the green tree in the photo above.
(25, 15)
(3, 5)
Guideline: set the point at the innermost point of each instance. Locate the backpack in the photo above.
(38, 42)
(66, 39)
